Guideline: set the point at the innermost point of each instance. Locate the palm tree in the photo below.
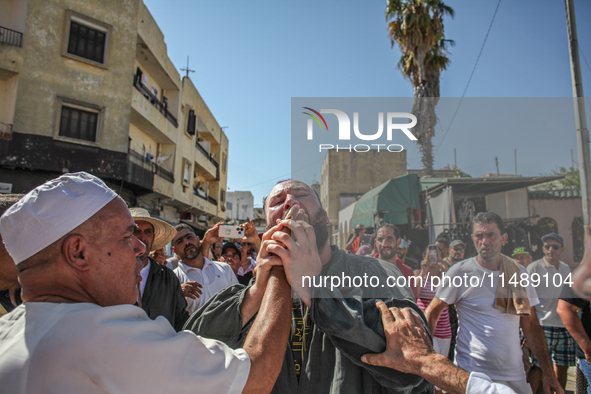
(417, 27)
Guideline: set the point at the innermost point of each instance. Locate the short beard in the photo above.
(387, 257)
(194, 254)
(321, 231)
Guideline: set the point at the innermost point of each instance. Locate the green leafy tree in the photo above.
(416, 26)
(571, 180)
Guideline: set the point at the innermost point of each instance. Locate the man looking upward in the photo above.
(331, 328)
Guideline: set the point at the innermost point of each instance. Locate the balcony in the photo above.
(162, 107)
(143, 162)
(211, 160)
(11, 37)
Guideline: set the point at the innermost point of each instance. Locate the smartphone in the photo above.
(231, 231)
(433, 252)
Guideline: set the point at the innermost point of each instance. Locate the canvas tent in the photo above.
(391, 201)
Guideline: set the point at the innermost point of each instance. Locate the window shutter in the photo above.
(191, 123)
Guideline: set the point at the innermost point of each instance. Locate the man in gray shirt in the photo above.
(552, 273)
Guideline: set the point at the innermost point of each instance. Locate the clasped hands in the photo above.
(297, 252)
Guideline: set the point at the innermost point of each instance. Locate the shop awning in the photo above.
(393, 198)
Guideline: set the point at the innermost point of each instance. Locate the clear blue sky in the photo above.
(250, 59)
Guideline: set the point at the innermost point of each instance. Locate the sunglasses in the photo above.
(458, 249)
(548, 247)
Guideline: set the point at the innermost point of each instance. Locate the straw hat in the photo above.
(163, 232)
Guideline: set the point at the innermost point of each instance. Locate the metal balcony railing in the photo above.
(163, 108)
(141, 160)
(11, 37)
(206, 154)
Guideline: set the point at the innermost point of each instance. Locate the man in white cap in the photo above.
(160, 290)
(73, 244)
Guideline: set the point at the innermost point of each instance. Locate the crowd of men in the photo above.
(92, 303)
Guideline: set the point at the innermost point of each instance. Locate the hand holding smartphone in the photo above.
(433, 252)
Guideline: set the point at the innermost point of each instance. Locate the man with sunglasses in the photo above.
(456, 252)
(561, 345)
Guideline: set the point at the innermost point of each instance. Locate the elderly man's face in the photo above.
(145, 233)
(114, 272)
(285, 195)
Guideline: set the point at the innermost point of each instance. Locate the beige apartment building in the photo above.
(345, 176)
(88, 86)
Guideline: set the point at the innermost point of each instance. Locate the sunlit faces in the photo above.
(456, 253)
(231, 258)
(284, 195)
(113, 268)
(387, 243)
(186, 245)
(523, 258)
(145, 233)
(488, 240)
(552, 249)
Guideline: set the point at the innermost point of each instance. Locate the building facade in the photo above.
(346, 176)
(242, 206)
(88, 86)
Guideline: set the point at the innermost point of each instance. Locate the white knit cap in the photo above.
(50, 211)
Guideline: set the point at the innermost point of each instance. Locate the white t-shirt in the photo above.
(549, 295)
(214, 276)
(488, 339)
(85, 348)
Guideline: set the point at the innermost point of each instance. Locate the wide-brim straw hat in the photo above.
(163, 232)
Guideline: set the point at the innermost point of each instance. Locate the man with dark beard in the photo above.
(387, 240)
(200, 277)
(333, 325)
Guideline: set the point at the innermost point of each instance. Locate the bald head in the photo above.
(97, 262)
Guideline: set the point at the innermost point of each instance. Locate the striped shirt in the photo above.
(443, 328)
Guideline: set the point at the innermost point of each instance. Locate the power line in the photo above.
(469, 79)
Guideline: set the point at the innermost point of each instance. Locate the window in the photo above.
(85, 39)
(224, 162)
(78, 124)
(87, 42)
(186, 172)
(191, 122)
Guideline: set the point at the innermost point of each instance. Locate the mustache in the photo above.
(190, 246)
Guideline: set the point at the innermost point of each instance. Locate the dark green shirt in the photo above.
(344, 324)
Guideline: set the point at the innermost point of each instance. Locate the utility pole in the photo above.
(497, 162)
(455, 162)
(580, 115)
(515, 150)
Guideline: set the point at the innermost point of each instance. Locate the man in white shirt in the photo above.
(77, 332)
(552, 273)
(194, 267)
(488, 338)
